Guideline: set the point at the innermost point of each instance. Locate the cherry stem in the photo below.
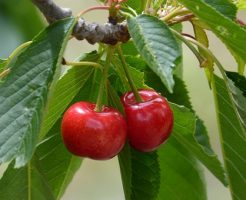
(104, 79)
(128, 75)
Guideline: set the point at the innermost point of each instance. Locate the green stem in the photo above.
(177, 11)
(190, 46)
(17, 51)
(217, 62)
(99, 105)
(128, 75)
(85, 63)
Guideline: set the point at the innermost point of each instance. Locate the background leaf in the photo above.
(24, 15)
(24, 183)
(156, 45)
(181, 176)
(66, 88)
(23, 94)
(57, 165)
(46, 176)
(232, 139)
(192, 135)
(140, 174)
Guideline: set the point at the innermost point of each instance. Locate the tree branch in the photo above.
(92, 32)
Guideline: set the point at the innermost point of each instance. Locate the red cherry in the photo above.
(149, 122)
(97, 135)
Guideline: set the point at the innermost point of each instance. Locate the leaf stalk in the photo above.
(103, 83)
(128, 75)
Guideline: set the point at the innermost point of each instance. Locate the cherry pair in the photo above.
(102, 135)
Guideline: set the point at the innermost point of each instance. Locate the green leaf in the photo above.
(192, 135)
(237, 85)
(156, 45)
(25, 183)
(232, 139)
(181, 177)
(137, 5)
(3, 63)
(129, 49)
(140, 174)
(228, 31)
(120, 80)
(191, 132)
(23, 94)
(201, 36)
(225, 7)
(46, 176)
(65, 90)
(154, 81)
(57, 165)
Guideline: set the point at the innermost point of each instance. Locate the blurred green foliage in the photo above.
(19, 22)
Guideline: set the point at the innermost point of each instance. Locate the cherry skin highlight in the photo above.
(96, 135)
(149, 122)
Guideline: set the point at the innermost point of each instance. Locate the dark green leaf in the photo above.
(181, 177)
(57, 165)
(225, 7)
(65, 90)
(140, 174)
(23, 94)
(120, 81)
(3, 63)
(129, 49)
(25, 183)
(228, 31)
(232, 139)
(46, 176)
(237, 84)
(136, 62)
(156, 45)
(179, 90)
(192, 135)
